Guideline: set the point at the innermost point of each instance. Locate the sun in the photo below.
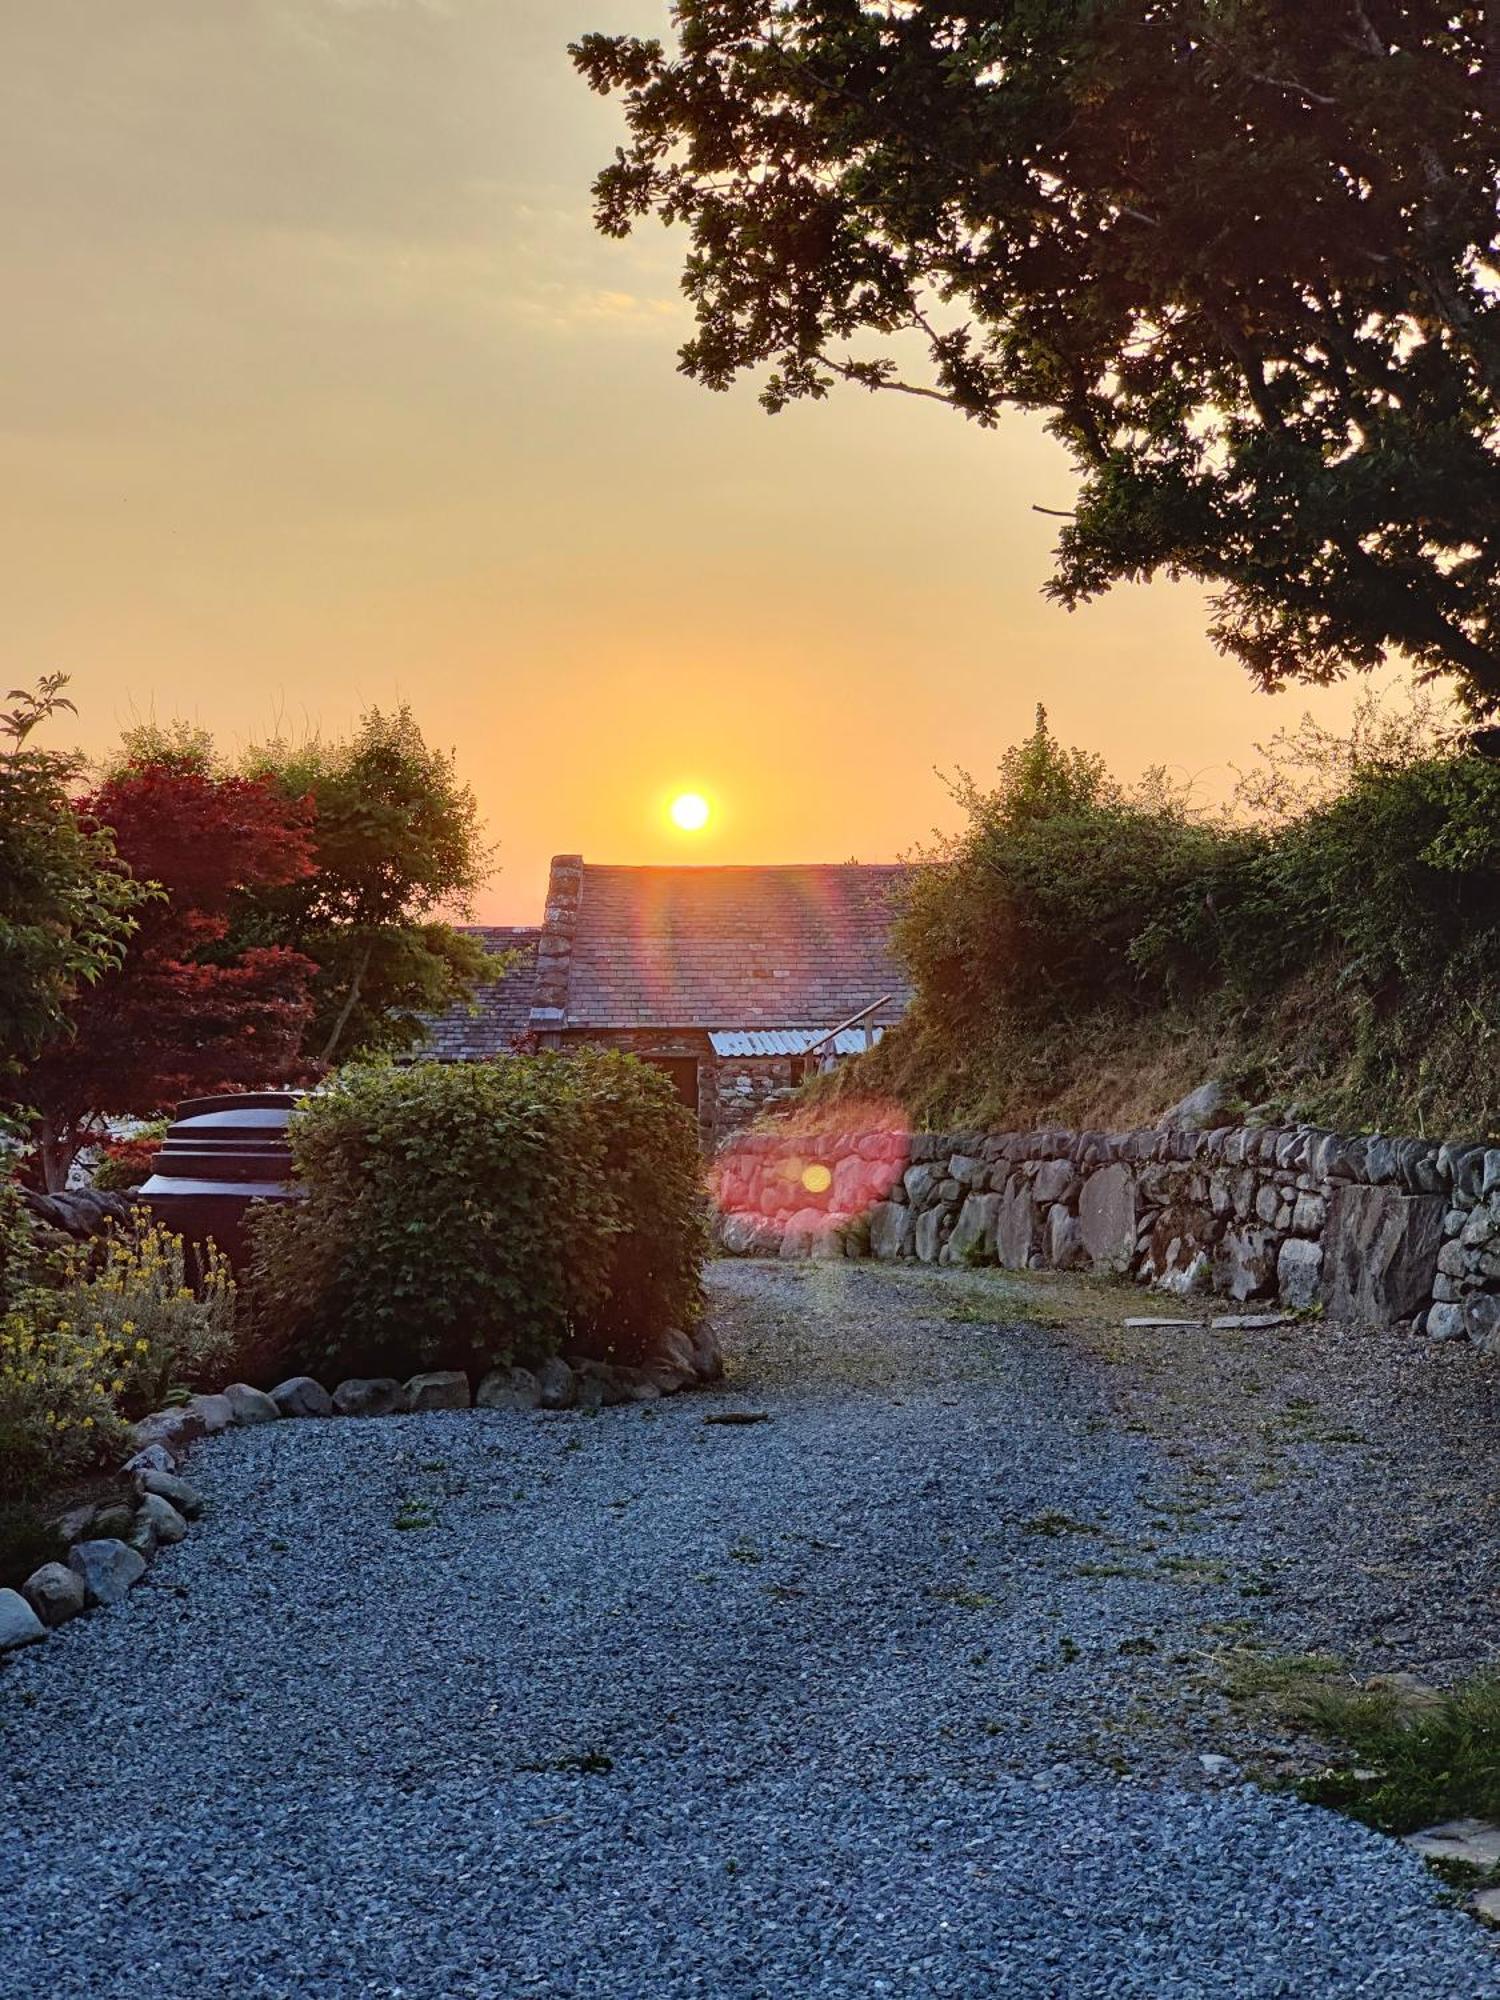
(690, 812)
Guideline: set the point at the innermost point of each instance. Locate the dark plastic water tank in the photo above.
(219, 1155)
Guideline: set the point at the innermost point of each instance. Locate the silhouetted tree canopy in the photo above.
(1241, 252)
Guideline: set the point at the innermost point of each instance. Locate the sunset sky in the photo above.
(319, 391)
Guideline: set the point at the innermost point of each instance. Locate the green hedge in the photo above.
(470, 1215)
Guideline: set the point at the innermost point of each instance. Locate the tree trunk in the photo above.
(349, 1004)
(57, 1148)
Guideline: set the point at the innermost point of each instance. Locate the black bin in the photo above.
(219, 1155)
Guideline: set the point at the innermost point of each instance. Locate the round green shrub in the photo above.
(471, 1215)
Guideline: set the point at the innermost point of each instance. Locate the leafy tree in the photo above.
(395, 839)
(66, 907)
(186, 1011)
(1242, 253)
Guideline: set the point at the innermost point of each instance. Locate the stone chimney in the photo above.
(554, 954)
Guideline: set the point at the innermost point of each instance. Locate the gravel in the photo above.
(895, 1693)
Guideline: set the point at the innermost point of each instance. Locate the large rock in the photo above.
(1299, 1272)
(509, 1389)
(167, 1486)
(1380, 1252)
(1482, 1321)
(708, 1355)
(1245, 1266)
(368, 1396)
(928, 1240)
(973, 1238)
(175, 1429)
(251, 1406)
(1107, 1216)
(301, 1396)
(108, 1569)
(1055, 1180)
(1062, 1248)
(1178, 1254)
(214, 1413)
(558, 1385)
(55, 1593)
(439, 1389)
(162, 1518)
(1200, 1111)
(19, 1624)
(1016, 1230)
(802, 1231)
(892, 1231)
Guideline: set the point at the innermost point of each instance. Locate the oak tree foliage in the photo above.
(1241, 253)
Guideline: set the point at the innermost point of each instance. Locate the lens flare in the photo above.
(816, 1178)
(690, 812)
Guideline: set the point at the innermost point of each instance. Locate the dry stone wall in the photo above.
(1368, 1227)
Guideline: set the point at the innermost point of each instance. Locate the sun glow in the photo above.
(690, 812)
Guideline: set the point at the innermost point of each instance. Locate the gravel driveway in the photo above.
(899, 1692)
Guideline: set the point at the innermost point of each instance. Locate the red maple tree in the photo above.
(184, 1015)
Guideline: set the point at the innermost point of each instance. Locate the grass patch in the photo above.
(1288, 1680)
(1437, 1760)
(1053, 1524)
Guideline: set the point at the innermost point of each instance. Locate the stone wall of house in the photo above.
(1370, 1228)
(745, 1086)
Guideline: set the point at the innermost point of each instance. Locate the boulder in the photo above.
(1380, 1252)
(1063, 1248)
(509, 1389)
(150, 1458)
(801, 1232)
(601, 1385)
(19, 1624)
(557, 1385)
(251, 1406)
(973, 1238)
(107, 1569)
(708, 1355)
(171, 1431)
(1482, 1321)
(214, 1413)
(1446, 1322)
(1200, 1111)
(893, 1230)
(163, 1519)
(368, 1396)
(55, 1593)
(1245, 1266)
(1309, 1214)
(439, 1389)
(1107, 1216)
(301, 1396)
(1016, 1228)
(928, 1237)
(1299, 1272)
(167, 1486)
(1055, 1180)
(113, 1522)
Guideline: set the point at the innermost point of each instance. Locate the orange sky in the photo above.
(319, 391)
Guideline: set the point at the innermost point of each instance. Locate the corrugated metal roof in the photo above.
(786, 1041)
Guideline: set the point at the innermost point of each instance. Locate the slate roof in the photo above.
(761, 947)
(503, 1008)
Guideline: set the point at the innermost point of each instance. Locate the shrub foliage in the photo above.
(94, 1336)
(1336, 953)
(470, 1215)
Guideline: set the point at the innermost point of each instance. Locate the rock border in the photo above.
(112, 1543)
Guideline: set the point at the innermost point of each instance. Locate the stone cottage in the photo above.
(731, 980)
